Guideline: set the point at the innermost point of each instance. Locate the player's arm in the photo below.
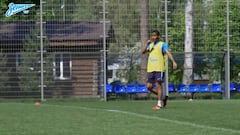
(170, 56)
(144, 49)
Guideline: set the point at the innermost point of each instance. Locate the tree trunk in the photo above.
(144, 37)
(188, 60)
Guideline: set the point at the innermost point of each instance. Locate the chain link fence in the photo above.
(90, 43)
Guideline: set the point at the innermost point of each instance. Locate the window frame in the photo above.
(61, 67)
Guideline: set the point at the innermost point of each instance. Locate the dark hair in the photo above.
(157, 32)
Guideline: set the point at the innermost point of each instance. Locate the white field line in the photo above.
(144, 116)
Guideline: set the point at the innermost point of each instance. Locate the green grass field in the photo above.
(94, 117)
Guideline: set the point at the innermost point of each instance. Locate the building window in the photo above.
(21, 60)
(62, 66)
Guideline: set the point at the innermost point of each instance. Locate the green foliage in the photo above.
(29, 68)
(199, 18)
(213, 67)
(64, 10)
(4, 70)
(176, 31)
(132, 72)
(209, 34)
(209, 66)
(156, 17)
(3, 7)
(129, 69)
(177, 28)
(125, 18)
(175, 75)
(215, 36)
(89, 11)
(124, 15)
(234, 24)
(234, 68)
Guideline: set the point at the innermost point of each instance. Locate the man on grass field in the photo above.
(156, 66)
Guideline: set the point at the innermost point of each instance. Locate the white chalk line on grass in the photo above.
(145, 116)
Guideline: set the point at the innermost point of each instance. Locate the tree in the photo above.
(125, 19)
(176, 28)
(144, 37)
(156, 17)
(234, 39)
(188, 60)
(124, 16)
(215, 34)
(68, 10)
(3, 7)
(89, 11)
(215, 38)
(199, 22)
(176, 39)
(29, 67)
(4, 70)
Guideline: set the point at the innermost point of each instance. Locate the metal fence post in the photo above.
(104, 50)
(227, 68)
(166, 40)
(41, 49)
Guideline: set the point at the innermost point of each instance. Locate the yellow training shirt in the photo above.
(156, 58)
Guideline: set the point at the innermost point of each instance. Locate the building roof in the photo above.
(55, 30)
(75, 30)
(15, 30)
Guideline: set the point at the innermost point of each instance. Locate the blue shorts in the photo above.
(154, 77)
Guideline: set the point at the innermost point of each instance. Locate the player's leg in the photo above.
(165, 101)
(159, 90)
(164, 94)
(159, 96)
(159, 79)
(150, 88)
(150, 81)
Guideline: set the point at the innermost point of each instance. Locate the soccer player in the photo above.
(156, 65)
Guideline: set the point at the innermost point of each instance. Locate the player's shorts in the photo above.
(154, 77)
